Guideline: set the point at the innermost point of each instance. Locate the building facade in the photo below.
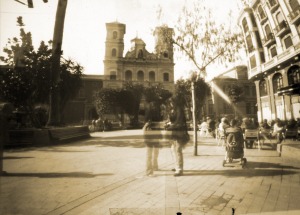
(271, 31)
(137, 65)
(219, 103)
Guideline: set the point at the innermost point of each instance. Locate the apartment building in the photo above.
(271, 31)
(218, 104)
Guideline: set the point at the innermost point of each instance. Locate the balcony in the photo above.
(268, 40)
(294, 16)
(273, 5)
(263, 19)
(275, 61)
(281, 28)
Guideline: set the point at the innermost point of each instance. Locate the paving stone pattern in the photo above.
(106, 175)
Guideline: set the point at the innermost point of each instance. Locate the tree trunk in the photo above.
(194, 121)
(54, 107)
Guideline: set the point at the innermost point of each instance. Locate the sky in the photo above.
(85, 31)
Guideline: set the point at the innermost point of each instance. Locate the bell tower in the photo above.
(163, 44)
(114, 47)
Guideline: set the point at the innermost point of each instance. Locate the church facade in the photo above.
(137, 65)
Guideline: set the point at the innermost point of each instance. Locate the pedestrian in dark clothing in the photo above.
(179, 136)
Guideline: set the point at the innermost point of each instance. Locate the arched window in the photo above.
(140, 76)
(261, 12)
(294, 75)
(245, 25)
(115, 35)
(152, 76)
(263, 88)
(268, 32)
(114, 52)
(277, 82)
(166, 77)
(113, 75)
(166, 55)
(249, 43)
(279, 18)
(128, 75)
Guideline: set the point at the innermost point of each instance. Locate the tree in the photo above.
(156, 96)
(54, 102)
(137, 90)
(183, 89)
(106, 101)
(203, 42)
(26, 84)
(235, 94)
(117, 102)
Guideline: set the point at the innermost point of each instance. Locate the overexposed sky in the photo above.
(85, 32)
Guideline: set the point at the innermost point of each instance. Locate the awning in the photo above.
(290, 90)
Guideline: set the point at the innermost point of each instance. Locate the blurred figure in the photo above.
(179, 136)
(211, 126)
(152, 149)
(264, 124)
(278, 130)
(221, 130)
(203, 128)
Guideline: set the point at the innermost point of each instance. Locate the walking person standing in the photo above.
(152, 149)
(179, 134)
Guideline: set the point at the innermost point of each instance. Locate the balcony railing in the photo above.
(268, 40)
(294, 16)
(281, 28)
(275, 61)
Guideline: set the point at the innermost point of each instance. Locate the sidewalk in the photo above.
(105, 175)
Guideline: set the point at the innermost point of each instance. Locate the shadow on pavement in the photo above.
(265, 165)
(55, 175)
(60, 150)
(14, 158)
(122, 143)
(239, 172)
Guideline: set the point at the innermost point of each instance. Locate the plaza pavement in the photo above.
(106, 175)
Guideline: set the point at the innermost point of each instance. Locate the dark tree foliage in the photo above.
(155, 96)
(26, 83)
(106, 101)
(137, 91)
(184, 95)
(235, 93)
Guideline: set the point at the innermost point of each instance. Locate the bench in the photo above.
(251, 136)
(30, 136)
(21, 137)
(291, 133)
(68, 133)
